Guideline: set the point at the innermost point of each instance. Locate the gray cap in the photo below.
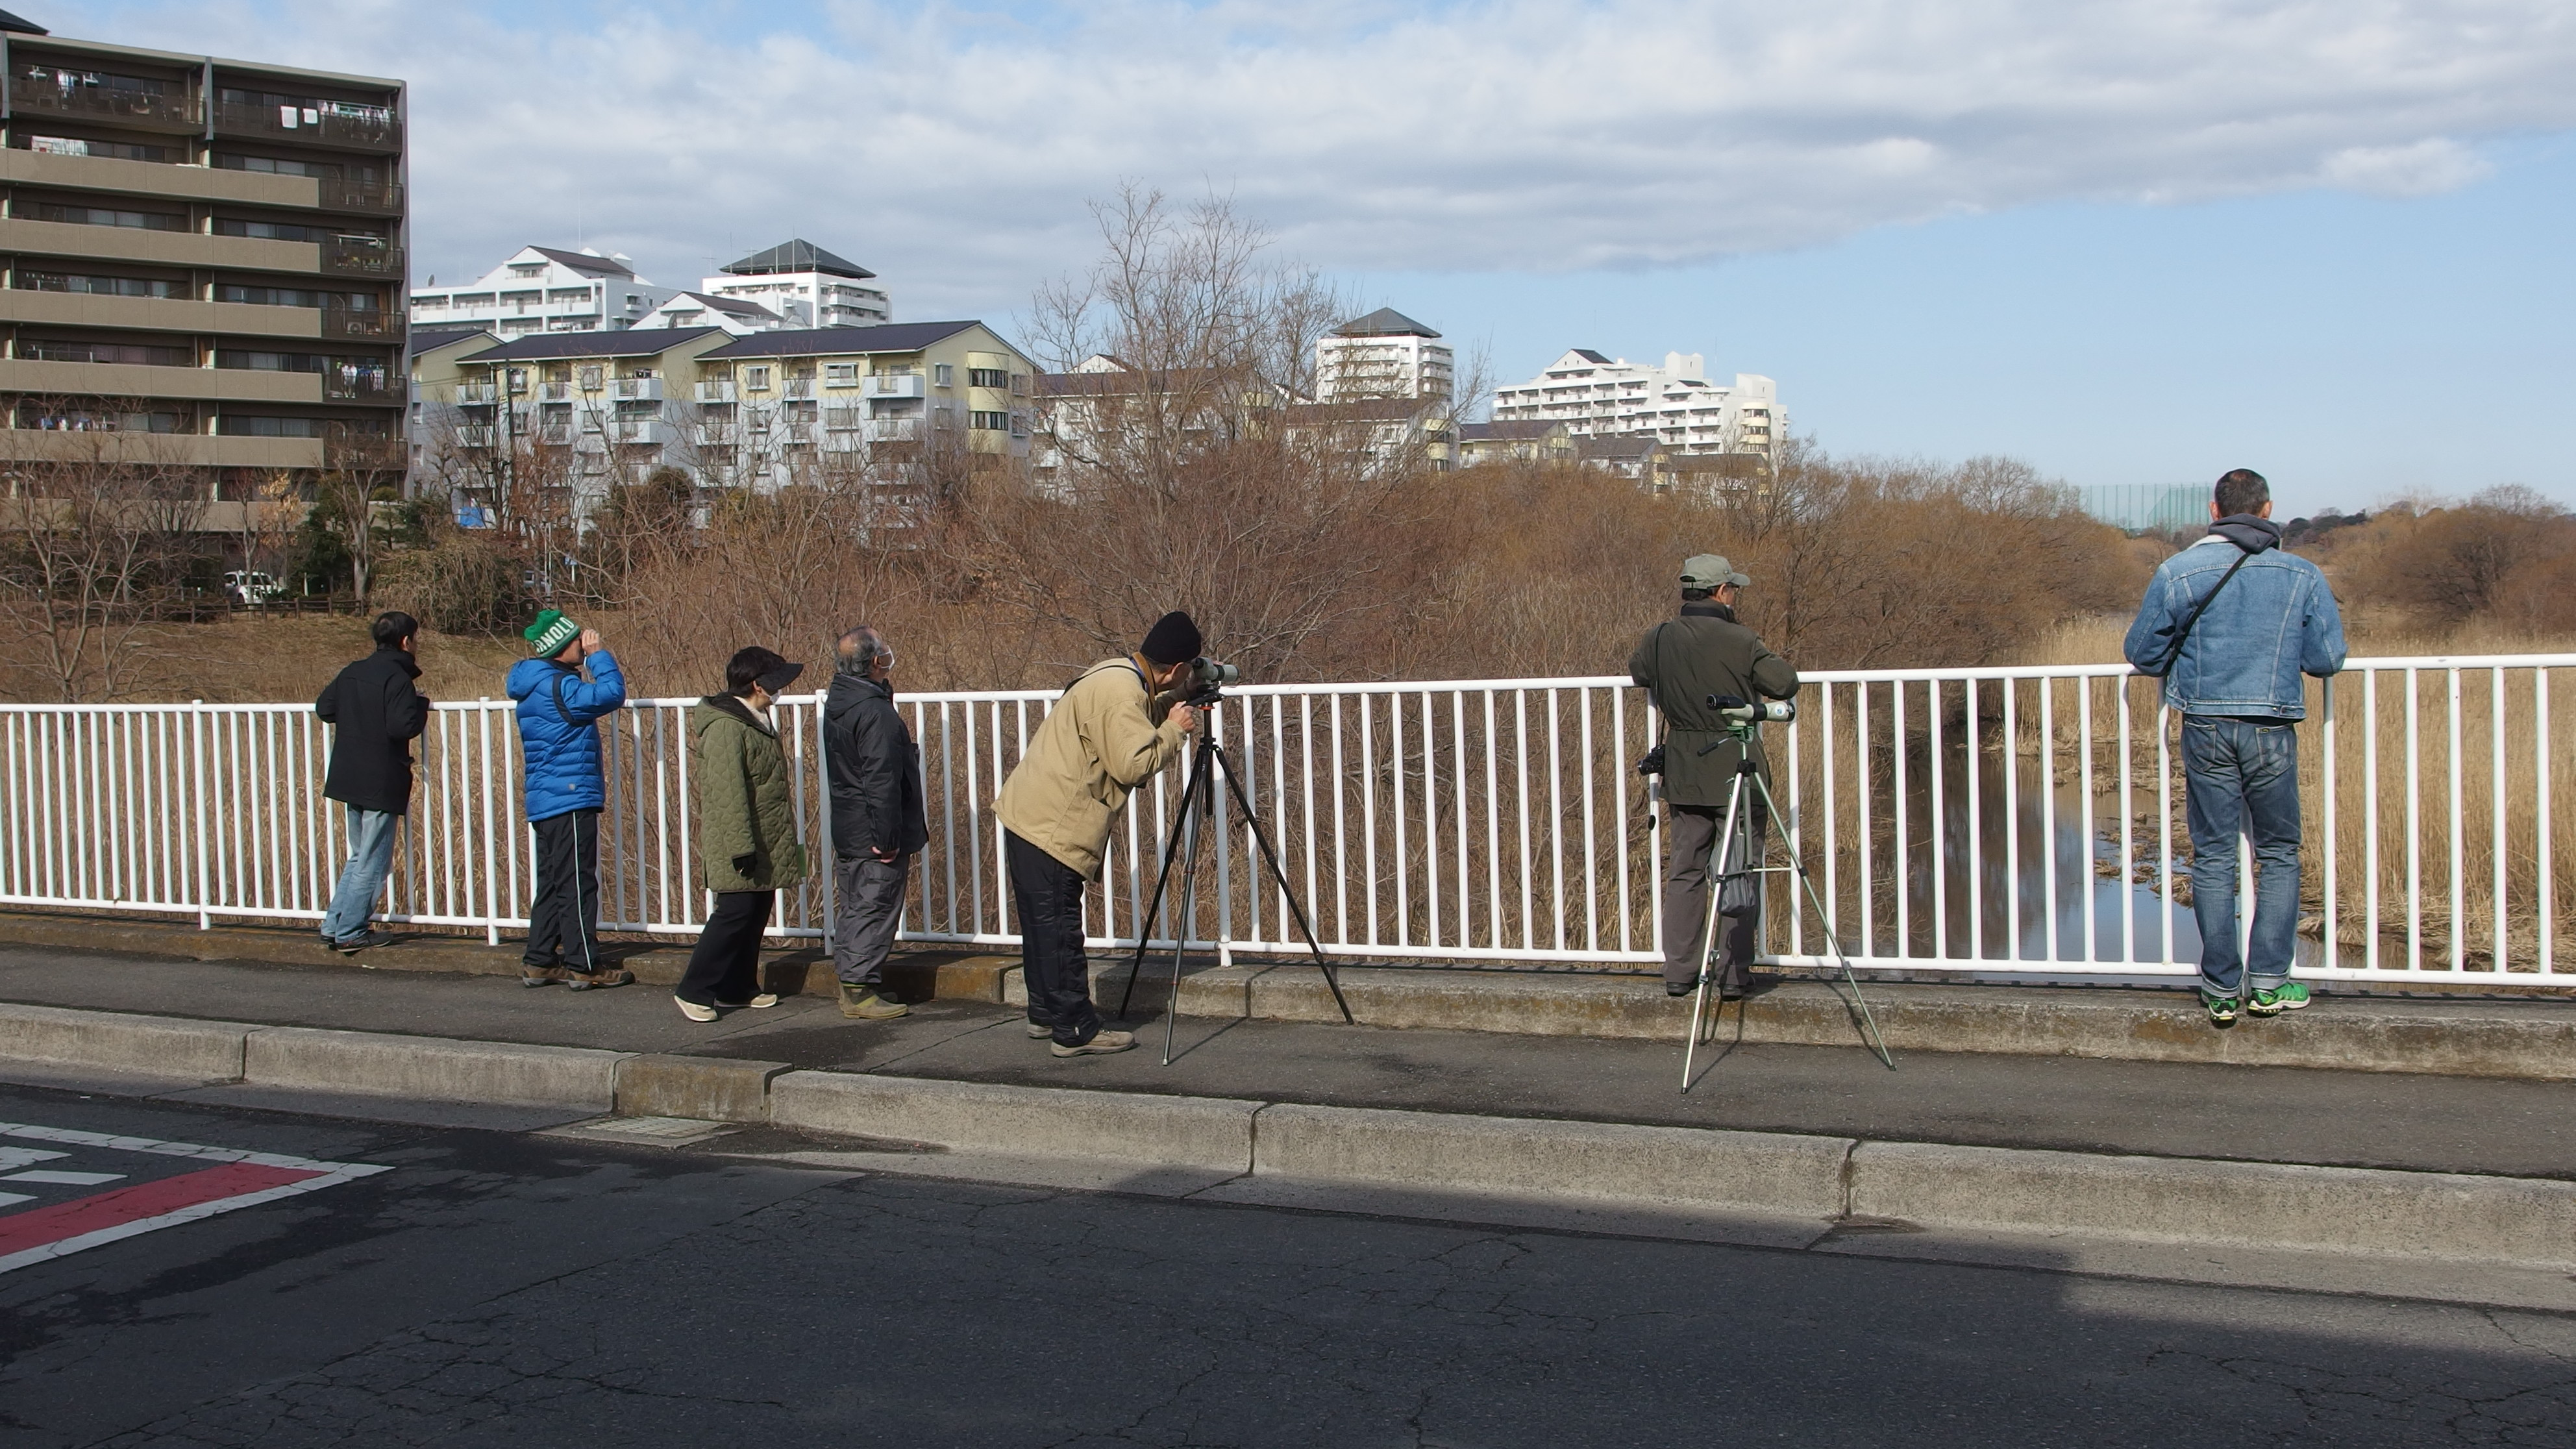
(1710, 571)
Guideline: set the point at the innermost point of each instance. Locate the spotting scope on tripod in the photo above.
(1206, 685)
(1731, 857)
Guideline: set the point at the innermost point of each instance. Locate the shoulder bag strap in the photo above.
(2175, 653)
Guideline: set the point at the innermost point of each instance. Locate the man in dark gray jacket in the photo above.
(1682, 661)
(877, 820)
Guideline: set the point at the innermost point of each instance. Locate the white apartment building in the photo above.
(697, 309)
(806, 286)
(543, 289)
(1383, 355)
(1597, 396)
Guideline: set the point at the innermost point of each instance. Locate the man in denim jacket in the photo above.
(2235, 681)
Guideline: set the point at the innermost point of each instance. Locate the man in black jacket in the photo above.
(877, 820)
(375, 714)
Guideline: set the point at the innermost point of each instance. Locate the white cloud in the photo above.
(952, 149)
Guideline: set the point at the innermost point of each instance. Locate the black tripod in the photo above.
(1197, 800)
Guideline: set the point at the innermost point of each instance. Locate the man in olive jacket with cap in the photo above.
(1702, 652)
(1101, 741)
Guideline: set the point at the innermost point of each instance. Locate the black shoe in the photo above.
(1730, 991)
(352, 945)
(1678, 988)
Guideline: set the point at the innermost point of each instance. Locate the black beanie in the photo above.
(1172, 640)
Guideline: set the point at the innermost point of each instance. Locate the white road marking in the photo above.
(7, 1198)
(26, 1156)
(65, 1179)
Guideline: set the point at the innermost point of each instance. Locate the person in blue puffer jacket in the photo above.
(559, 714)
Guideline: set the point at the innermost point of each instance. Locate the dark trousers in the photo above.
(1052, 965)
(1690, 835)
(563, 923)
(867, 900)
(725, 969)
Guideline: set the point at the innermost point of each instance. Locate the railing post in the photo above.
(197, 807)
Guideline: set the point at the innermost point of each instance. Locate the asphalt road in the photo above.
(505, 1289)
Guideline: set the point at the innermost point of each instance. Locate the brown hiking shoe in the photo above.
(542, 975)
(1099, 1046)
(868, 1003)
(600, 979)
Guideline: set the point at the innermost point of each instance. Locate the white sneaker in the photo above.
(1099, 1046)
(1040, 1033)
(695, 1012)
(764, 999)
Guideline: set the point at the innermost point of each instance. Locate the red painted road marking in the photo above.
(236, 1179)
(40, 1227)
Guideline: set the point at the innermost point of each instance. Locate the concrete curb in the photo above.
(1051, 1122)
(432, 1067)
(1117, 1138)
(2278, 1205)
(1691, 1166)
(112, 1041)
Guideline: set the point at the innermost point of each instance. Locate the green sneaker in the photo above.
(2221, 1009)
(2272, 1001)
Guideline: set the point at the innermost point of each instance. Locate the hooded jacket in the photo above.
(2275, 621)
(559, 714)
(746, 807)
(1099, 742)
(875, 771)
(375, 714)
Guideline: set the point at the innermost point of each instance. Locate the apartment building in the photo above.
(1534, 442)
(776, 404)
(436, 370)
(201, 260)
(698, 309)
(1598, 396)
(574, 413)
(544, 289)
(806, 286)
(1383, 355)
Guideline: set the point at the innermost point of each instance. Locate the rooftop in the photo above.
(823, 341)
(425, 339)
(631, 343)
(585, 261)
(798, 255)
(1384, 322)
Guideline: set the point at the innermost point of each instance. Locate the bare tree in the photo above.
(97, 546)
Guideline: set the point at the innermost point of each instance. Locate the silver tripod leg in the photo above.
(1708, 927)
(1189, 911)
(1824, 922)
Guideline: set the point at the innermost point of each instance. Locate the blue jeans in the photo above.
(2242, 776)
(371, 857)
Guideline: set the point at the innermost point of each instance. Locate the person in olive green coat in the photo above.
(746, 831)
(1683, 661)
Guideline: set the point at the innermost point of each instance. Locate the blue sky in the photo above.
(2130, 241)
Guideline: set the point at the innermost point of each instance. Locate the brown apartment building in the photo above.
(201, 261)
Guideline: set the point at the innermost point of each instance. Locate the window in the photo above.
(295, 297)
(102, 420)
(840, 374)
(756, 378)
(590, 379)
(527, 269)
(273, 230)
(275, 165)
(133, 354)
(989, 422)
(1019, 384)
(119, 150)
(987, 377)
(67, 82)
(31, 280)
(99, 216)
(943, 374)
(236, 426)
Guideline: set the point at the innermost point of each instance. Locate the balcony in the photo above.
(376, 196)
(371, 128)
(554, 392)
(635, 389)
(105, 103)
(554, 432)
(895, 384)
(894, 430)
(363, 452)
(843, 420)
(478, 436)
(797, 389)
(348, 257)
(651, 432)
(355, 385)
(477, 394)
(717, 435)
(716, 392)
(369, 323)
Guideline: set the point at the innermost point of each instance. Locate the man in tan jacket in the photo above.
(1099, 742)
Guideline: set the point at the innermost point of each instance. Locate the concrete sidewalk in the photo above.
(2457, 1189)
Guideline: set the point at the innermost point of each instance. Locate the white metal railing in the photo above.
(1493, 821)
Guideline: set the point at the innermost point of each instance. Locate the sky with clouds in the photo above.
(2130, 242)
